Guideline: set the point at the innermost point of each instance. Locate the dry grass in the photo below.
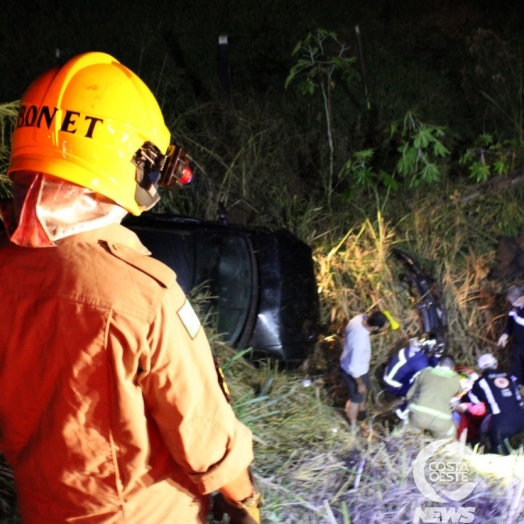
(8, 113)
(455, 244)
(312, 468)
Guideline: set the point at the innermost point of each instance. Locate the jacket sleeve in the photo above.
(182, 393)
(476, 394)
(508, 330)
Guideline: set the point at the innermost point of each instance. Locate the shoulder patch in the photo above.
(501, 382)
(189, 318)
(148, 265)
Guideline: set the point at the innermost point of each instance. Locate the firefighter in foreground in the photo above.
(110, 411)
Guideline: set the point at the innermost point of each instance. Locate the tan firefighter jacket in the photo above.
(110, 409)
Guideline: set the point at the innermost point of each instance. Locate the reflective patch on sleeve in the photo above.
(189, 318)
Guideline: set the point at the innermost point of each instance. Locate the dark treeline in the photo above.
(456, 65)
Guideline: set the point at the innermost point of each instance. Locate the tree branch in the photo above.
(500, 183)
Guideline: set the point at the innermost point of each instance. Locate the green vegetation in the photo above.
(317, 67)
(7, 117)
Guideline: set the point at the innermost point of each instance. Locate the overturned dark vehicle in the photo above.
(261, 283)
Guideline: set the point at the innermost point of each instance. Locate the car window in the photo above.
(223, 262)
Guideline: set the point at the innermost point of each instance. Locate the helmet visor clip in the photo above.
(176, 172)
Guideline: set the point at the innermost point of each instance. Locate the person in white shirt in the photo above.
(355, 358)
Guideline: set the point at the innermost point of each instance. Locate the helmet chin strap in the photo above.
(147, 195)
(149, 162)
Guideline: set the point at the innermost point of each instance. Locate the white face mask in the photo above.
(47, 209)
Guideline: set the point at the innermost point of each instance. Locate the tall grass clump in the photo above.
(243, 160)
(456, 242)
(8, 112)
(311, 468)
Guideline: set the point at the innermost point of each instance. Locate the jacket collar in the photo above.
(110, 233)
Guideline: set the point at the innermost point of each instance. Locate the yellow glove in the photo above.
(245, 512)
(392, 322)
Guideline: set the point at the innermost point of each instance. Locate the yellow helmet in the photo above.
(95, 123)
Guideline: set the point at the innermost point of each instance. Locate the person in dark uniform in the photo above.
(402, 368)
(515, 330)
(499, 391)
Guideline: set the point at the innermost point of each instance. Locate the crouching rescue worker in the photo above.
(402, 368)
(110, 410)
(430, 397)
(499, 392)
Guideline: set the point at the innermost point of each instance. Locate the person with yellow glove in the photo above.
(355, 359)
(111, 410)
